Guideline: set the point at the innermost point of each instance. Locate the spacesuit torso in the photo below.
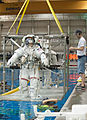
(30, 57)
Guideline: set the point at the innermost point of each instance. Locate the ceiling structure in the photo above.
(12, 7)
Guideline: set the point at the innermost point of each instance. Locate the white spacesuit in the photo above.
(31, 55)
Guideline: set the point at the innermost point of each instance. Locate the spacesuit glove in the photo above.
(23, 59)
(45, 62)
(9, 63)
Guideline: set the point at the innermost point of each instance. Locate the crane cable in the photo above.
(22, 16)
(55, 17)
(17, 16)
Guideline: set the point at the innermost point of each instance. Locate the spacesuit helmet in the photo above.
(28, 39)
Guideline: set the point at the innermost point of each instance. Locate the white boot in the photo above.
(24, 91)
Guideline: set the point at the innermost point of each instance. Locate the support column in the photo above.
(4, 41)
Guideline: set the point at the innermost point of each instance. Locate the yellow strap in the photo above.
(17, 16)
(55, 17)
(22, 16)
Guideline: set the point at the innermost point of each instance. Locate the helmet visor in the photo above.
(28, 41)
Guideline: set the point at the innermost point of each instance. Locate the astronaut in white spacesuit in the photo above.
(30, 54)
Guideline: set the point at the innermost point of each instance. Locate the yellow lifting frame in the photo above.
(55, 17)
(22, 16)
(17, 17)
(26, 3)
(53, 13)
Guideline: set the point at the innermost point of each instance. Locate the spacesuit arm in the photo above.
(41, 55)
(44, 60)
(18, 53)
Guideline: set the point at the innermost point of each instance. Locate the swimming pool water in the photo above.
(11, 110)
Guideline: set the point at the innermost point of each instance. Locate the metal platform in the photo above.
(56, 93)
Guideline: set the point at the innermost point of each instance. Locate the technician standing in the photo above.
(81, 53)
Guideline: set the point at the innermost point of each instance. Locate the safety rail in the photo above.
(79, 112)
(46, 83)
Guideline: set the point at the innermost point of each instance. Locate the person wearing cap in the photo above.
(81, 53)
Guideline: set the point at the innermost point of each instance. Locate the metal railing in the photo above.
(73, 115)
(47, 81)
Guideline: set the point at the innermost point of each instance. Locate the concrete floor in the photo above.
(77, 97)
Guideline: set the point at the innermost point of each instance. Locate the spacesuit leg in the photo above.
(34, 77)
(24, 81)
(47, 78)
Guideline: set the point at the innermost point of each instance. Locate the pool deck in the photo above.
(78, 96)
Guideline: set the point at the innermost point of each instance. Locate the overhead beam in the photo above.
(12, 1)
(40, 6)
